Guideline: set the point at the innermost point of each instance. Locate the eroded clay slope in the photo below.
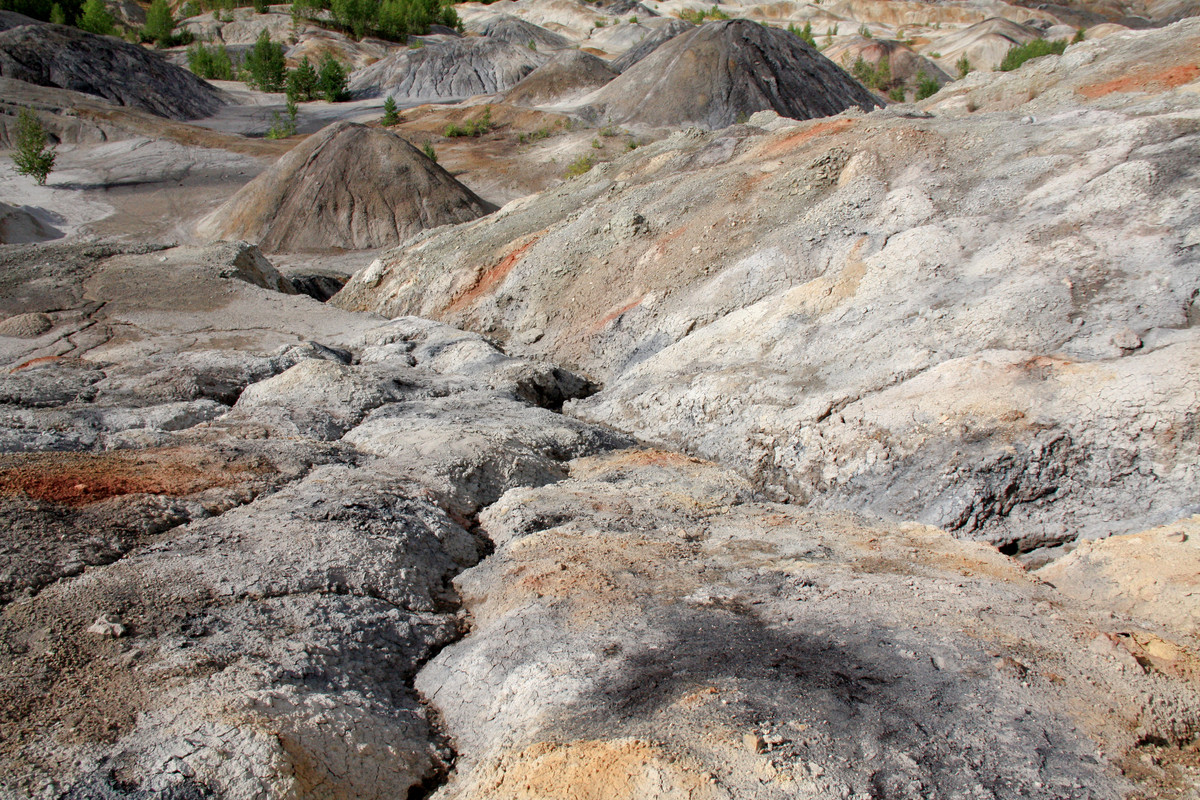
(984, 322)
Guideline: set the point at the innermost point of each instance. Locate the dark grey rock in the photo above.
(129, 75)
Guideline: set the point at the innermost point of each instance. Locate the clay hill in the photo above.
(568, 74)
(648, 44)
(348, 186)
(126, 74)
(724, 71)
(515, 30)
(447, 70)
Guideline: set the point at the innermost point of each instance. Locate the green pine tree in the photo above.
(160, 24)
(57, 15)
(265, 64)
(32, 157)
(331, 79)
(302, 82)
(390, 115)
(94, 18)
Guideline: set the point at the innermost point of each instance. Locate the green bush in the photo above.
(302, 82)
(963, 66)
(94, 18)
(57, 15)
(390, 115)
(331, 80)
(264, 64)
(31, 155)
(260, 6)
(579, 166)
(1018, 55)
(875, 76)
(927, 85)
(429, 152)
(212, 63)
(474, 127)
(283, 127)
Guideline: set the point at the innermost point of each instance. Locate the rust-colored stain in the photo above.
(77, 479)
(609, 317)
(493, 276)
(653, 458)
(790, 143)
(33, 362)
(1142, 82)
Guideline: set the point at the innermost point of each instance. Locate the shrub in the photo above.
(32, 157)
(331, 80)
(876, 76)
(302, 82)
(210, 63)
(927, 85)
(697, 17)
(963, 66)
(260, 6)
(1018, 55)
(57, 15)
(579, 166)
(264, 64)
(830, 33)
(94, 18)
(864, 31)
(475, 127)
(1078, 37)
(429, 152)
(896, 94)
(633, 20)
(390, 115)
(283, 127)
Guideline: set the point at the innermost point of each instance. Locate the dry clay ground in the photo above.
(249, 520)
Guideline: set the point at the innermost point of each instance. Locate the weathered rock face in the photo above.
(269, 496)
(569, 74)
(68, 58)
(514, 30)
(447, 70)
(347, 186)
(929, 319)
(646, 629)
(724, 71)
